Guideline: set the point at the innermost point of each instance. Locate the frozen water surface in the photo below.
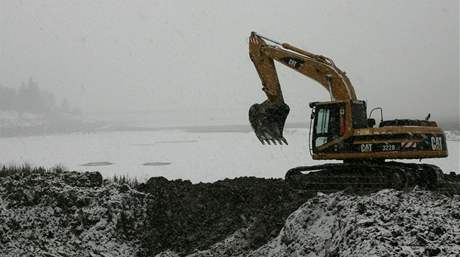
(196, 156)
(89, 164)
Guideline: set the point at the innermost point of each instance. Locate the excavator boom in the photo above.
(268, 118)
(316, 67)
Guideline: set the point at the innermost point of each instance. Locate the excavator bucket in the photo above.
(268, 119)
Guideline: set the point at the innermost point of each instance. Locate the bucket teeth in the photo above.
(267, 120)
(261, 139)
(267, 139)
(284, 140)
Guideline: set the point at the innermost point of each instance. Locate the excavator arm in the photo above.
(268, 118)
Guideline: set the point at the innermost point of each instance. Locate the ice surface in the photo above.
(196, 156)
(89, 164)
(10, 119)
(453, 135)
(156, 163)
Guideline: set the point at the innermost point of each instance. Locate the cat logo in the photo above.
(293, 62)
(436, 143)
(366, 148)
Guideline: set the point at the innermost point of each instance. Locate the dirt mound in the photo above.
(68, 214)
(386, 223)
(78, 214)
(184, 217)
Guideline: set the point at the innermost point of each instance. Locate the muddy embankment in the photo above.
(58, 213)
(67, 212)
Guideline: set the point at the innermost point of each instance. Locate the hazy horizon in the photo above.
(190, 61)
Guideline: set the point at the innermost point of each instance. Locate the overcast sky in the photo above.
(190, 58)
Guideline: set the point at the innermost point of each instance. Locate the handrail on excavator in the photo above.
(268, 39)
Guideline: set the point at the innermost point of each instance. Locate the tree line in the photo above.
(30, 98)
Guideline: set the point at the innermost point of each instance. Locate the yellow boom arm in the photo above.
(268, 119)
(316, 67)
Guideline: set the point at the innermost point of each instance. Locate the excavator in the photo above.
(341, 129)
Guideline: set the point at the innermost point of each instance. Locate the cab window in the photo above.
(327, 125)
(323, 121)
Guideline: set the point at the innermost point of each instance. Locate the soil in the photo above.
(61, 213)
(185, 217)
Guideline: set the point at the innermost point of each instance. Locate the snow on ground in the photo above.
(196, 156)
(386, 223)
(65, 214)
(10, 119)
(453, 135)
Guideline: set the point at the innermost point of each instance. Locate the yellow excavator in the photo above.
(340, 129)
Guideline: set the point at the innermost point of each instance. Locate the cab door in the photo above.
(326, 126)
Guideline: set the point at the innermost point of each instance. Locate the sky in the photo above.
(189, 59)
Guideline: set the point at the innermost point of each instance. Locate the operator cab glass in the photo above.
(326, 123)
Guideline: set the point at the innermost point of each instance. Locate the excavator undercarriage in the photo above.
(372, 176)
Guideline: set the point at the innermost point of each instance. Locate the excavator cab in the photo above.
(329, 121)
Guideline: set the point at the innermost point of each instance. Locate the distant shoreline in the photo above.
(81, 127)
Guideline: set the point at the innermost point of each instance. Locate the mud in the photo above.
(184, 217)
(79, 209)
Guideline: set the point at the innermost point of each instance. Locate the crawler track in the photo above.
(372, 176)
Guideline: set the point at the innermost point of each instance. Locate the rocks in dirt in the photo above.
(60, 188)
(63, 213)
(83, 179)
(77, 214)
(393, 224)
(183, 216)
(68, 214)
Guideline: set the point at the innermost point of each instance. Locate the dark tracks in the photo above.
(372, 177)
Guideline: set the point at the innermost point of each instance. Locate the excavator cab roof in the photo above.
(314, 104)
